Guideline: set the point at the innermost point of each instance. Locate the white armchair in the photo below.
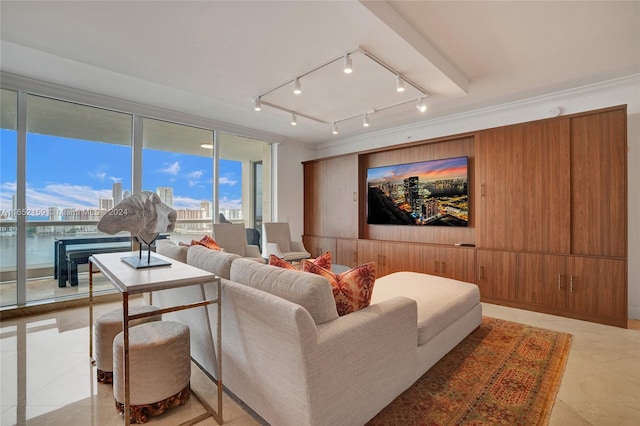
(233, 239)
(276, 240)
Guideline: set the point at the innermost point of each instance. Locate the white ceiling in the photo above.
(211, 58)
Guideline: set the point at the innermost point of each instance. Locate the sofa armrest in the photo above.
(252, 251)
(371, 349)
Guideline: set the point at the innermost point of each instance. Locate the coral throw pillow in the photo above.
(351, 289)
(279, 262)
(324, 261)
(207, 242)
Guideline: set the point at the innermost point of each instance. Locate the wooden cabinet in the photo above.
(588, 288)
(497, 275)
(523, 182)
(319, 245)
(599, 184)
(451, 262)
(389, 256)
(331, 197)
(346, 252)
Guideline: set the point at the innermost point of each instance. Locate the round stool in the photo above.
(106, 328)
(159, 368)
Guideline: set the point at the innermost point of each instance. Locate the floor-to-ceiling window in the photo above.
(65, 163)
(78, 165)
(8, 173)
(177, 164)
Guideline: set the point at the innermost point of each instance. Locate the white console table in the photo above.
(131, 281)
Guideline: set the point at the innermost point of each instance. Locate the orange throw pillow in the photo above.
(324, 261)
(351, 289)
(279, 262)
(207, 242)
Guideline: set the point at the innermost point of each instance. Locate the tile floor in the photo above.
(46, 378)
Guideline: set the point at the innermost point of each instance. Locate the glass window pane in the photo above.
(78, 167)
(177, 164)
(8, 164)
(244, 185)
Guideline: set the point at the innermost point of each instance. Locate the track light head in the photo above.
(365, 120)
(348, 68)
(399, 84)
(294, 119)
(334, 129)
(421, 105)
(257, 105)
(296, 87)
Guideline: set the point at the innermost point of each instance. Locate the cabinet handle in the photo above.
(482, 194)
(435, 265)
(442, 265)
(559, 286)
(482, 272)
(571, 283)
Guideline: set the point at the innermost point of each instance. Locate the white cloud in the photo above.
(55, 195)
(227, 203)
(115, 179)
(226, 181)
(185, 203)
(197, 174)
(99, 175)
(172, 169)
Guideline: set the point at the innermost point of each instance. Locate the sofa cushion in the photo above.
(351, 289)
(171, 249)
(280, 262)
(312, 292)
(214, 261)
(207, 242)
(440, 300)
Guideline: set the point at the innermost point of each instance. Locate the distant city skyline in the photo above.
(76, 174)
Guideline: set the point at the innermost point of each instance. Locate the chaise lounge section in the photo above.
(290, 357)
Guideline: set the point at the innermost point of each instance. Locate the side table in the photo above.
(131, 281)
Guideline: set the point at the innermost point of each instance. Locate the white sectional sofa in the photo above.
(290, 357)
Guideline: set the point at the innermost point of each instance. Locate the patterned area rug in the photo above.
(503, 373)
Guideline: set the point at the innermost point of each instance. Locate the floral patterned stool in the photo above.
(159, 368)
(107, 326)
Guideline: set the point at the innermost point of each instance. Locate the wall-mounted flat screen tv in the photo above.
(426, 193)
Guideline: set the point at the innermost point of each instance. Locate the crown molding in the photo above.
(631, 82)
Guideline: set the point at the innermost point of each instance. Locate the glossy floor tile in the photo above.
(46, 377)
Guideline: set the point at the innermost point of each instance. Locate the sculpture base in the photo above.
(138, 263)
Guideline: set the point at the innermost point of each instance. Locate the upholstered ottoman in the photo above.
(107, 326)
(159, 368)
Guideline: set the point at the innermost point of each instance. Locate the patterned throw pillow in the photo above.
(207, 242)
(351, 289)
(279, 262)
(324, 261)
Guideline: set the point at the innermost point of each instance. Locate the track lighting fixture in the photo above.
(296, 87)
(257, 105)
(348, 69)
(294, 119)
(421, 105)
(399, 84)
(365, 120)
(334, 129)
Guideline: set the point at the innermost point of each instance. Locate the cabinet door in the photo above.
(597, 287)
(346, 252)
(499, 164)
(542, 280)
(598, 184)
(456, 263)
(545, 190)
(496, 274)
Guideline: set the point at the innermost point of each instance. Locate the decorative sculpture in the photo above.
(144, 215)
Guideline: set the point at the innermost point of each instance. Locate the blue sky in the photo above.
(70, 173)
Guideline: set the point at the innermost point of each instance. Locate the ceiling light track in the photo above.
(401, 80)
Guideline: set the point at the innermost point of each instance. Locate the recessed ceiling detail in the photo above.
(351, 86)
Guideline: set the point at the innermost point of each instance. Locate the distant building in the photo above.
(126, 194)
(166, 195)
(117, 193)
(105, 203)
(55, 213)
(206, 206)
